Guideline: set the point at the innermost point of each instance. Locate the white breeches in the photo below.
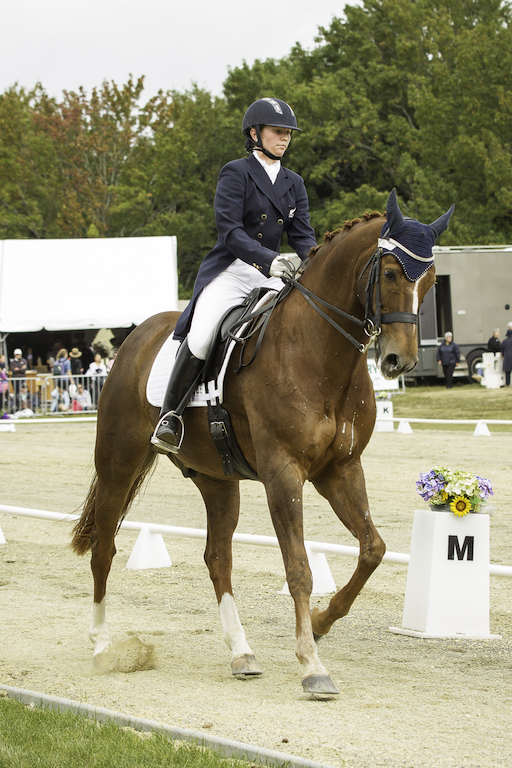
(225, 291)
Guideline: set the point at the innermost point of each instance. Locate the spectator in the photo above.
(506, 351)
(62, 369)
(98, 371)
(448, 355)
(112, 359)
(82, 399)
(4, 383)
(494, 344)
(75, 357)
(60, 399)
(18, 366)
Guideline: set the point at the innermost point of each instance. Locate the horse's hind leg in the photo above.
(222, 500)
(113, 497)
(344, 488)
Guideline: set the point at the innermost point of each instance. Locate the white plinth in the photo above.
(384, 422)
(447, 592)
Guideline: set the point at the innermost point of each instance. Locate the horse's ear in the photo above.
(440, 224)
(394, 215)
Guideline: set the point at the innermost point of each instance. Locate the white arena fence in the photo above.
(45, 394)
(150, 550)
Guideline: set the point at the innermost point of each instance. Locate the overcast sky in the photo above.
(68, 43)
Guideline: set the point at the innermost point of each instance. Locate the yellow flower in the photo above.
(460, 506)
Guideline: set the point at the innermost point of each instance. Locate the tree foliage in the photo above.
(412, 94)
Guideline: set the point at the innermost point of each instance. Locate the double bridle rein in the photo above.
(371, 324)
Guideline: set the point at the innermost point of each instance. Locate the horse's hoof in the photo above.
(319, 684)
(246, 665)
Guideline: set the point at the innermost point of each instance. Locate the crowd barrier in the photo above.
(150, 550)
(44, 394)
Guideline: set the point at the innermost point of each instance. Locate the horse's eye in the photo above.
(389, 274)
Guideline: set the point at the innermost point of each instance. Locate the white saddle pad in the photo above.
(162, 367)
(161, 373)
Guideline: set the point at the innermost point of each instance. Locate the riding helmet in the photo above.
(269, 112)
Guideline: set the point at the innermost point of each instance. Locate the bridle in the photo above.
(371, 323)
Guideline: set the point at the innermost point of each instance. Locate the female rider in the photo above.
(256, 201)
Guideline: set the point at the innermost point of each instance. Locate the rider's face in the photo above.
(273, 139)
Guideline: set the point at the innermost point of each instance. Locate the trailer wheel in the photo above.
(474, 361)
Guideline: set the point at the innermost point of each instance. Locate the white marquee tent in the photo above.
(85, 283)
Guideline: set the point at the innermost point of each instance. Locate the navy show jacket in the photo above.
(251, 215)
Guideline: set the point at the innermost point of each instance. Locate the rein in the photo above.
(371, 324)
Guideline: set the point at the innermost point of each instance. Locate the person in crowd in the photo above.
(506, 351)
(4, 384)
(494, 344)
(97, 371)
(448, 355)
(75, 359)
(82, 398)
(112, 360)
(62, 369)
(257, 200)
(60, 400)
(18, 368)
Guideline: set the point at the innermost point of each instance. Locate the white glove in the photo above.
(287, 264)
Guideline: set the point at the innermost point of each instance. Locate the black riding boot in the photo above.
(168, 434)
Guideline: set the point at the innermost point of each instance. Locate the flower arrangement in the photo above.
(462, 491)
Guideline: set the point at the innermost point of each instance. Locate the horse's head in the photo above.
(403, 272)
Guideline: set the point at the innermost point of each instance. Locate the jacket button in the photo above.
(280, 222)
(260, 235)
(263, 216)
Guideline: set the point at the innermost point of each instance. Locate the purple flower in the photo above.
(429, 484)
(484, 488)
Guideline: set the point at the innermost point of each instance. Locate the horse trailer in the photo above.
(471, 297)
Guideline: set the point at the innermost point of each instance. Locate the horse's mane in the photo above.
(347, 225)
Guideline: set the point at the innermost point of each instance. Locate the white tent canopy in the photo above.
(85, 283)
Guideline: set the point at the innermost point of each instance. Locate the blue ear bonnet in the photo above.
(410, 241)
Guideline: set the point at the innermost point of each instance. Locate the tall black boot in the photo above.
(168, 435)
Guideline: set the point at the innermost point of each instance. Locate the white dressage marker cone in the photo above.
(481, 430)
(404, 428)
(2, 537)
(149, 551)
(447, 592)
(323, 582)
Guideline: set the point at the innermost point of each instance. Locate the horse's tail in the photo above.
(81, 540)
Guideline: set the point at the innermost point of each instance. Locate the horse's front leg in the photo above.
(345, 489)
(284, 494)
(222, 500)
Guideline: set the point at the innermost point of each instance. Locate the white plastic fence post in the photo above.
(404, 428)
(481, 429)
(323, 582)
(2, 537)
(149, 551)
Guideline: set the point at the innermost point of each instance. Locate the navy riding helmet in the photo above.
(267, 112)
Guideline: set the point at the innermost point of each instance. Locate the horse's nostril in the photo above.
(391, 362)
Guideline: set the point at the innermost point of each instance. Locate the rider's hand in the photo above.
(286, 265)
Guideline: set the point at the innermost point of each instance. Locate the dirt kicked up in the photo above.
(404, 702)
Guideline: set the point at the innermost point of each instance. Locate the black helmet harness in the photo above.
(267, 111)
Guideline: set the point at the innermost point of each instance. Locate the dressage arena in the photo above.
(404, 702)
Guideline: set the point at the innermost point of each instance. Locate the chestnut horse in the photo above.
(304, 410)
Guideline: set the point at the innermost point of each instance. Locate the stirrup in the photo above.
(162, 446)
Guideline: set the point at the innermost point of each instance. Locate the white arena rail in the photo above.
(150, 550)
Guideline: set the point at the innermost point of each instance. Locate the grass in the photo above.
(31, 737)
(464, 401)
